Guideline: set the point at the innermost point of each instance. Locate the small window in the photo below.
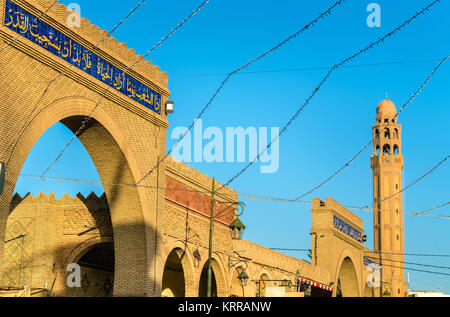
(396, 149)
(386, 149)
(378, 150)
(387, 134)
(386, 120)
(396, 186)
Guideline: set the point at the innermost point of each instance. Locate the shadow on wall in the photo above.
(41, 261)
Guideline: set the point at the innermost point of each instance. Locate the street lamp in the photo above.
(237, 229)
(243, 277)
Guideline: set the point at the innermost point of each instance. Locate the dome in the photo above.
(386, 108)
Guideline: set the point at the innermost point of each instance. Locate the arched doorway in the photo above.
(262, 284)
(236, 287)
(106, 141)
(202, 288)
(173, 282)
(218, 283)
(96, 272)
(347, 283)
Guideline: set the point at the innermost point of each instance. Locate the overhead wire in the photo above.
(235, 71)
(34, 21)
(62, 74)
(384, 252)
(310, 68)
(87, 119)
(208, 192)
(413, 182)
(347, 164)
(332, 69)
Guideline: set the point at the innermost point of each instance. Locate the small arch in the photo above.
(396, 133)
(262, 284)
(377, 134)
(236, 288)
(218, 287)
(386, 149)
(387, 133)
(173, 282)
(377, 150)
(97, 271)
(347, 285)
(396, 150)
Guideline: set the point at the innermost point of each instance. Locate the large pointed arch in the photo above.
(107, 144)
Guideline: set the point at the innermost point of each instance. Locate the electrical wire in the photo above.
(208, 192)
(17, 136)
(229, 75)
(394, 253)
(442, 61)
(332, 69)
(310, 68)
(417, 270)
(414, 182)
(87, 119)
(413, 263)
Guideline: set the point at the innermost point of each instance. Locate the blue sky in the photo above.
(330, 131)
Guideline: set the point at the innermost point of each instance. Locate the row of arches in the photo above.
(387, 133)
(387, 149)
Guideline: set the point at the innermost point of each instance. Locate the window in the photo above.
(395, 149)
(386, 149)
(387, 134)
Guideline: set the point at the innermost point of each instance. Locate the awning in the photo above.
(315, 284)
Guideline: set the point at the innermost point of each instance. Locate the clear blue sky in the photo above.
(331, 130)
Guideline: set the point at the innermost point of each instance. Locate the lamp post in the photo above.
(241, 267)
(237, 229)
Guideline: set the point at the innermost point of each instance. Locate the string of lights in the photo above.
(66, 69)
(229, 75)
(34, 21)
(364, 148)
(437, 207)
(414, 182)
(332, 69)
(208, 192)
(311, 68)
(88, 118)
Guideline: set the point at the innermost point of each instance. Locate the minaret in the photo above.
(387, 167)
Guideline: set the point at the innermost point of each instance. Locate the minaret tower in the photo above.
(387, 167)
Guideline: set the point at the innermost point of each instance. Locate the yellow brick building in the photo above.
(141, 240)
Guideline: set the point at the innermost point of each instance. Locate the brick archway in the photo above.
(184, 256)
(74, 256)
(347, 278)
(117, 157)
(218, 273)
